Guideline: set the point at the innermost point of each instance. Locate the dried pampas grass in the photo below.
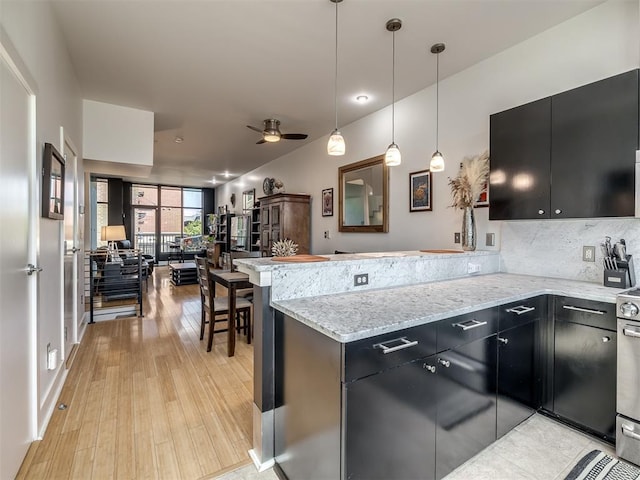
(470, 182)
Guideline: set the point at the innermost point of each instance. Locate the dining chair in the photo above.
(213, 307)
(243, 292)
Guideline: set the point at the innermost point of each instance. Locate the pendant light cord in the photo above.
(335, 81)
(393, 88)
(437, 99)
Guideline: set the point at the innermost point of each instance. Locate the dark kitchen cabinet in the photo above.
(585, 365)
(520, 146)
(521, 367)
(466, 403)
(571, 155)
(594, 131)
(390, 424)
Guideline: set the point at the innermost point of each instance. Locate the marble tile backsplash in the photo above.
(553, 248)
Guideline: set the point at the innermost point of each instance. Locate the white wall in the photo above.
(597, 44)
(35, 34)
(113, 133)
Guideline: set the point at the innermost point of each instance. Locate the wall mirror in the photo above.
(364, 196)
(248, 199)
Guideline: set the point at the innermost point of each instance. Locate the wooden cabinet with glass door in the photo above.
(285, 216)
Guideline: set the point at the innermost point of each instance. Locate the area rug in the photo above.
(597, 465)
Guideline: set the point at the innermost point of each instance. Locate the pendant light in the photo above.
(437, 160)
(336, 145)
(393, 158)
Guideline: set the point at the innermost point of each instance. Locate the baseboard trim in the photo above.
(261, 467)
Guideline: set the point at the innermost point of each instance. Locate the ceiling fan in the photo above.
(271, 133)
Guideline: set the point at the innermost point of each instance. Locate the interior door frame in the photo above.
(70, 154)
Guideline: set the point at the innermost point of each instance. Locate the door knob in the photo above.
(31, 269)
(75, 250)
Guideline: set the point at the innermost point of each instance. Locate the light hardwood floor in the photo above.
(145, 399)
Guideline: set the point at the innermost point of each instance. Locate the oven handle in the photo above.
(627, 431)
(584, 310)
(631, 332)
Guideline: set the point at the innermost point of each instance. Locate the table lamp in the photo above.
(111, 234)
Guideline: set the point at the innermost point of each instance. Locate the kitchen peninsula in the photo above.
(415, 372)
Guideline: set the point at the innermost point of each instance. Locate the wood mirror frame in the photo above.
(378, 176)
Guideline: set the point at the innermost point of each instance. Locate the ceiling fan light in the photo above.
(271, 136)
(336, 145)
(392, 157)
(437, 162)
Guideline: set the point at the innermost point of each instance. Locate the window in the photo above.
(102, 209)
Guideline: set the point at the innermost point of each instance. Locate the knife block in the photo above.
(623, 277)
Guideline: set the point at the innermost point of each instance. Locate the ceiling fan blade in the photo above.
(261, 141)
(259, 130)
(294, 136)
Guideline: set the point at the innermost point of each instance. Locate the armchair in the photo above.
(133, 260)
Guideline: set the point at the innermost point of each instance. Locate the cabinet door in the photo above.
(520, 146)
(466, 403)
(594, 139)
(585, 376)
(518, 376)
(390, 424)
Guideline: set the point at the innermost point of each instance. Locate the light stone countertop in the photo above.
(353, 316)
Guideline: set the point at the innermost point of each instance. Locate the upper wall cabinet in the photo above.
(567, 156)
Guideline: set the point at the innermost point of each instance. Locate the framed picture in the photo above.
(483, 199)
(327, 202)
(420, 191)
(52, 183)
(248, 197)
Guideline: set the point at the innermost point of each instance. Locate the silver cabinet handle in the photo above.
(540, 212)
(469, 324)
(627, 431)
(429, 368)
(520, 309)
(444, 363)
(631, 332)
(31, 269)
(606, 339)
(585, 310)
(405, 344)
(558, 211)
(503, 340)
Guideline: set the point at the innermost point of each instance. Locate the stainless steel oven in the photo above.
(628, 377)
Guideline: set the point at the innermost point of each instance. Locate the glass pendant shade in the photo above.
(392, 158)
(336, 145)
(437, 162)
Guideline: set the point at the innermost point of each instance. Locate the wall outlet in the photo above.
(474, 268)
(360, 279)
(327, 234)
(490, 240)
(456, 237)
(588, 254)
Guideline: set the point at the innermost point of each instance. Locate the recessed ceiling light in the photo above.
(213, 180)
(227, 174)
(178, 140)
(362, 98)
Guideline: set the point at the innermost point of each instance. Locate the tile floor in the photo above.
(537, 449)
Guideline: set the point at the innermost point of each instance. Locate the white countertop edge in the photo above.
(572, 290)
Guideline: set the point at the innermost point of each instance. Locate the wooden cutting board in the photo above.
(300, 259)
(442, 251)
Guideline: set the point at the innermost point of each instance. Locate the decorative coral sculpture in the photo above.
(284, 248)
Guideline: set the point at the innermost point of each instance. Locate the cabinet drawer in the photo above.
(586, 312)
(466, 328)
(522, 311)
(372, 355)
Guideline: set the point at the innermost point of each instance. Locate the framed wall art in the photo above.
(327, 202)
(420, 191)
(52, 183)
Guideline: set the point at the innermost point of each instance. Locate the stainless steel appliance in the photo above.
(628, 377)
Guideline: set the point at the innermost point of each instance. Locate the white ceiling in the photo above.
(207, 68)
